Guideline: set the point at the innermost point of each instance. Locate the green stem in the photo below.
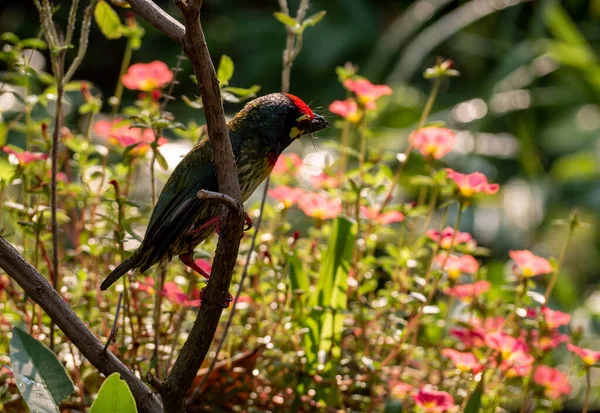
(124, 65)
(344, 149)
(588, 390)
(422, 119)
(561, 260)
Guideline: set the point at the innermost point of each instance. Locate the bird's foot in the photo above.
(212, 221)
(188, 260)
(247, 221)
(223, 304)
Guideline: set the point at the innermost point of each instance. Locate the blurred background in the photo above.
(526, 104)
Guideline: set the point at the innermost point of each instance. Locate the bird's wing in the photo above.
(177, 207)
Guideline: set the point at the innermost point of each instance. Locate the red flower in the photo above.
(502, 342)
(465, 362)
(554, 382)
(433, 401)
(455, 265)
(24, 158)
(530, 264)
(555, 319)
(472, 184)
(445, 238)
(347, 109)
(147, 76)
(546, 342)
(468, 291)
(320, 206)
(518, 364)
(384, 218)
(366, 91)
(286, 195)
(287, 164)
(119, 133)
(469, 337)
(589, 357)
(433, 142)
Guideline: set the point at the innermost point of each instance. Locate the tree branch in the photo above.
(40, 291)
(158, 18)
(196, 347)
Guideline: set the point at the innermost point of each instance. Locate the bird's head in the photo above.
(277, 120)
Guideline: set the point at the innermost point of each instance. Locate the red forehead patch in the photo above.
(303, 107)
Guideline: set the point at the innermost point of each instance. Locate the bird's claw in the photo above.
(223, 304)
(247, 222)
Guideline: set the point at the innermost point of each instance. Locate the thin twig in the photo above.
(115, 327)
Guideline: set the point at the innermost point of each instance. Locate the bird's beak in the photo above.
(316, 124)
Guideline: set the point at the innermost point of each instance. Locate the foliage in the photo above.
(366, 292)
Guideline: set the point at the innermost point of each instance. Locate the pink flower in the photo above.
(324, 180)
(384, 218)
(400, 389)
(589, 357)
(555, 318)
(287, 164)
(518, 362)
(24, 158)
(445, 238)
(530, 264)
(469, 291)
(546, 342)
(455, 265)
(433, 401)
(433, 142)
(472, 184)
(502, 342)
(147, 76)
(465, 362)
(347, 109)
(320, 206)
(172, 292)
(469, 337)
(286, 195)
(366, 91)
(554, 382)
(119, 133)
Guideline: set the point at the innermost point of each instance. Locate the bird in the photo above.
(180, 221)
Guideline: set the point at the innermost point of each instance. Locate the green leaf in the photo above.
(225, 70)
(196, 104)
(9, 38)
(285, 19)
(33, 43)
(314, 19)
(298, 277)
(114, 397)
(243, 92)
(474, 404)
(41, 378)
(108, 21)
(161, 160)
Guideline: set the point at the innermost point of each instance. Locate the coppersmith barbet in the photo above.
(180, 221)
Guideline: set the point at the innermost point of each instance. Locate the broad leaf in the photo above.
(474, 404)
(41, 378)
(285, 19)
(114, 397)
(108, 21)
(314, 19)
(225, 70)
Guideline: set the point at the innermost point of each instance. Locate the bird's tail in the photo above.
(128, 264)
